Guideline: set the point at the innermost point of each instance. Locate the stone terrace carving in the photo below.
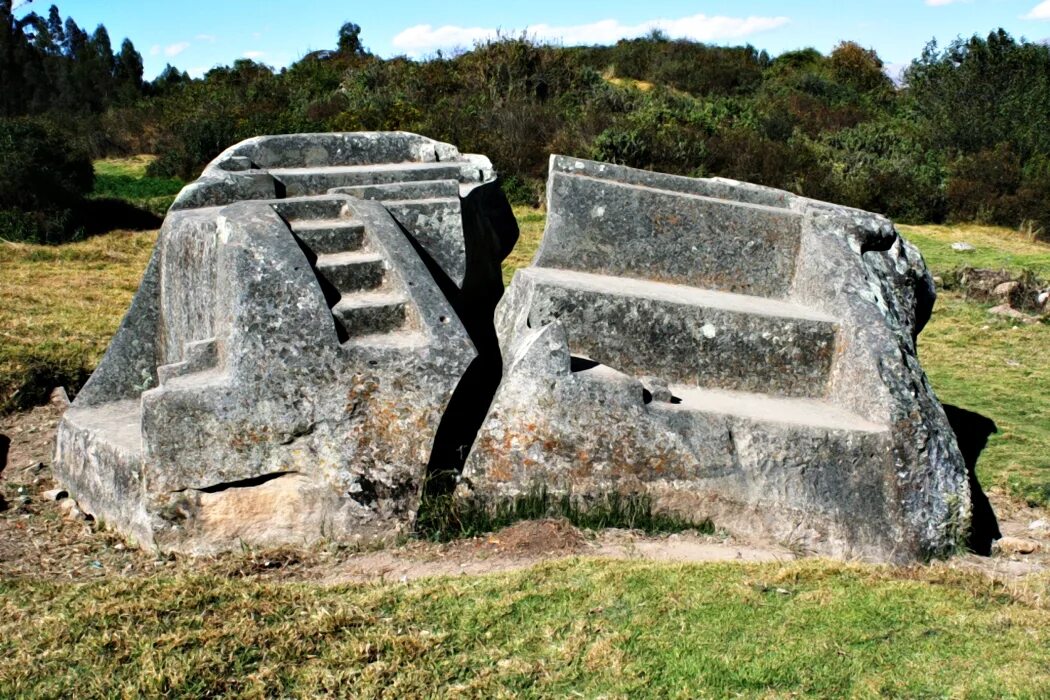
(314, 339)
(284, 367)
(733, 352)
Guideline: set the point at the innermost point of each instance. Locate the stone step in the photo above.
(397, 339)
(687, 335)
(762, 408)
(352, 271)
(312, 209)
(717, 187)
(424, 206)
(423, 189)
(118, 423)
(369, 313)
(631, 230)
(325, 236)
(300, 182)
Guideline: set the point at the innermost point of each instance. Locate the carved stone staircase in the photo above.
(369, 303)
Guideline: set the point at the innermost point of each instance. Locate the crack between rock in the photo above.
(248, 483)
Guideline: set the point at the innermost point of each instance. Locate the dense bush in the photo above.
(966, 137)
(880, 166)
(992, 187)
(42, 182)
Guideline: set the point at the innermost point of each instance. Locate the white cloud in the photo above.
(176, 49)
(154, 50)
(942, 3)
(895, 71)
(1040, 11)
(424, 37)
(254, 54)
(209, 38)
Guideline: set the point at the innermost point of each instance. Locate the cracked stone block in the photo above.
(729, 352)
(283, 370)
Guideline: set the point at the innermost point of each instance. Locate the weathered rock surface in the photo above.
(730, 352)
(282, 372)
(316, 340)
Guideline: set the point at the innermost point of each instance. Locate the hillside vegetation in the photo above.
(965, 138)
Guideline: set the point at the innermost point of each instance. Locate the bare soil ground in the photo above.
(45, 538)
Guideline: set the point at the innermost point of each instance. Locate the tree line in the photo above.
(964, 137)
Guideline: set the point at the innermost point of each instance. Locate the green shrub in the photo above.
(42, 182)
(992, 186)
(881, 167)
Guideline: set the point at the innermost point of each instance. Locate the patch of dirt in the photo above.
(45, 538)
(537, 537)
(528, 543)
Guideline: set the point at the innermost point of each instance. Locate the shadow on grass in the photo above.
(105, 215)
(972, 431)
(37, 383)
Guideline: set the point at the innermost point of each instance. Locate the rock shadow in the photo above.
(490, 233)
(972, 431)
(5, 446)
(105, 215)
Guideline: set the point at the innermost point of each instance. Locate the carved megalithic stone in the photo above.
(314, 340)
(282, 372)
(727, 351)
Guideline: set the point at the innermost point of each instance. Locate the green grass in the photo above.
(995, 248)
(579, 627)
(444, 517)
(990, 364)
(59, 307)
(1000, 369)
(530, 223)
(126, 179)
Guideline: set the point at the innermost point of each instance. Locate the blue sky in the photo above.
(198, 34)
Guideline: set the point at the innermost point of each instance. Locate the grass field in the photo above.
(59, 306)
(574, 628)
(990, 364)
(125, 179)
(577, 627)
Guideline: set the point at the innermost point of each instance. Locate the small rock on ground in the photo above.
(1016, 545)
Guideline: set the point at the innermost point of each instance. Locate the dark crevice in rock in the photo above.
(240, 483)
(280, 190)
(363, 492)
(581, 364)
(490, 232)
(5, 446)
(875, 244)
(972, 431)
(460, 424)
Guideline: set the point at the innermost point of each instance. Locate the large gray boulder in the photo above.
(729, 352)
(316, 341)
(283, 370)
